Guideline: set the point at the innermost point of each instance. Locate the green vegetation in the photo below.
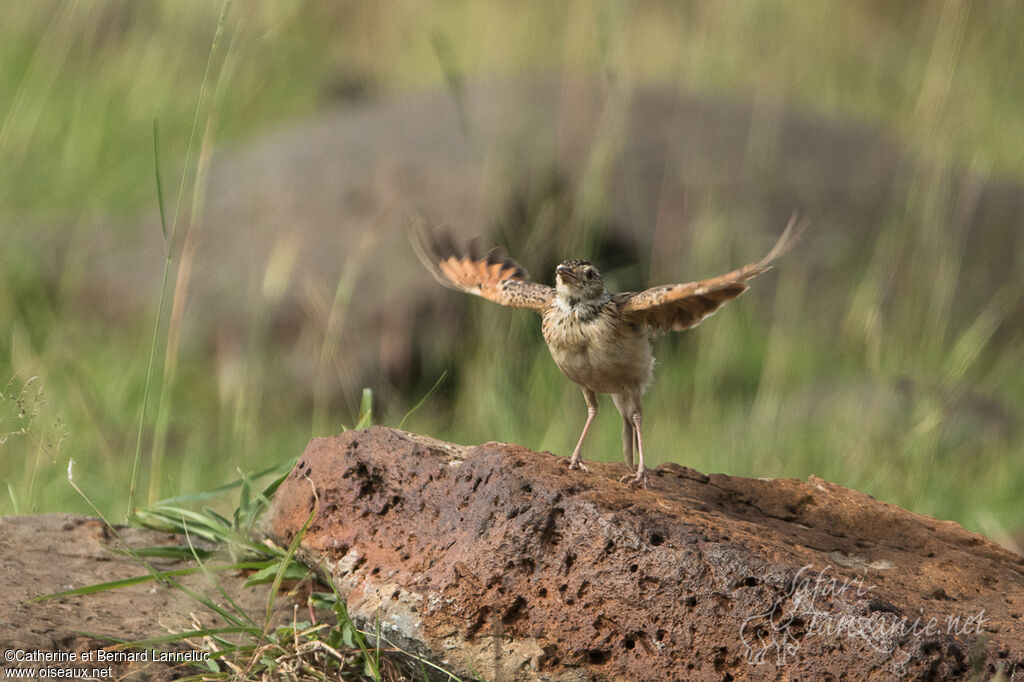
(895, 372)
(252, 646)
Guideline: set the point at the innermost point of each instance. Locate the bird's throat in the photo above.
(584, 309)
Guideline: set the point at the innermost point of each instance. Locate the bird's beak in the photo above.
(565, 273)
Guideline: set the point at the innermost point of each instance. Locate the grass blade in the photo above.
(168, 245)
(242, 615)
(159, 181)
(284, 467)
(282, 569)
(365, 410)
(423, 400)
(156, 575)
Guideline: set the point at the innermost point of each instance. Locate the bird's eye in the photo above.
(590, 274)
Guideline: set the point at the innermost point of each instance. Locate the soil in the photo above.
(52, 553)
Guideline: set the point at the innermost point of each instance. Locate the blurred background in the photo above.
(295, 141)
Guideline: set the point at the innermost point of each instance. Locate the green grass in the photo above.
(329, 646)
(891, 369)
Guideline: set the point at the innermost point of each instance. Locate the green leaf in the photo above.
(288, 558)
(365, 410)
(158, 575)
(347, 635)
(323, 600)
(168, 552)
(159, 182)
(284, 467)
(293, 571)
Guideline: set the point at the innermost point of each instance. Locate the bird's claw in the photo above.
(639, 479)
(577, 463)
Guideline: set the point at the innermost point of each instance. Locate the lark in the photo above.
(601, 341)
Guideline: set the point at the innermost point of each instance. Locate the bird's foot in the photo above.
(639, 479)
(577, 463)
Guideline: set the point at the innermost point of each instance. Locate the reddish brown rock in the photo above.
(498, 561)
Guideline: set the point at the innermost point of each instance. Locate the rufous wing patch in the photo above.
(494, 276)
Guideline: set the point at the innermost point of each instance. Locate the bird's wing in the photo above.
(494, 276)
(675, 307)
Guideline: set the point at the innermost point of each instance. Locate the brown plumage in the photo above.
(599, 340)
(494, 276)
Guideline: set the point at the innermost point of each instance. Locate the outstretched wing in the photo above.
(494, 276)
(675, 307)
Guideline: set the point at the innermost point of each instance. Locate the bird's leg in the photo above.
(640, 478)
(628, 439)
(591, 398)
(641, 468)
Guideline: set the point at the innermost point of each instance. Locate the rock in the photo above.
(498, 561)
(58, 552)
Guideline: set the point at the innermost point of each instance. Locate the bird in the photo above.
(601, 341)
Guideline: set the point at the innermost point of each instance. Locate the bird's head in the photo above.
(578, 280)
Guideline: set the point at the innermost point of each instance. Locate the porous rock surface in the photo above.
(499, 562)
